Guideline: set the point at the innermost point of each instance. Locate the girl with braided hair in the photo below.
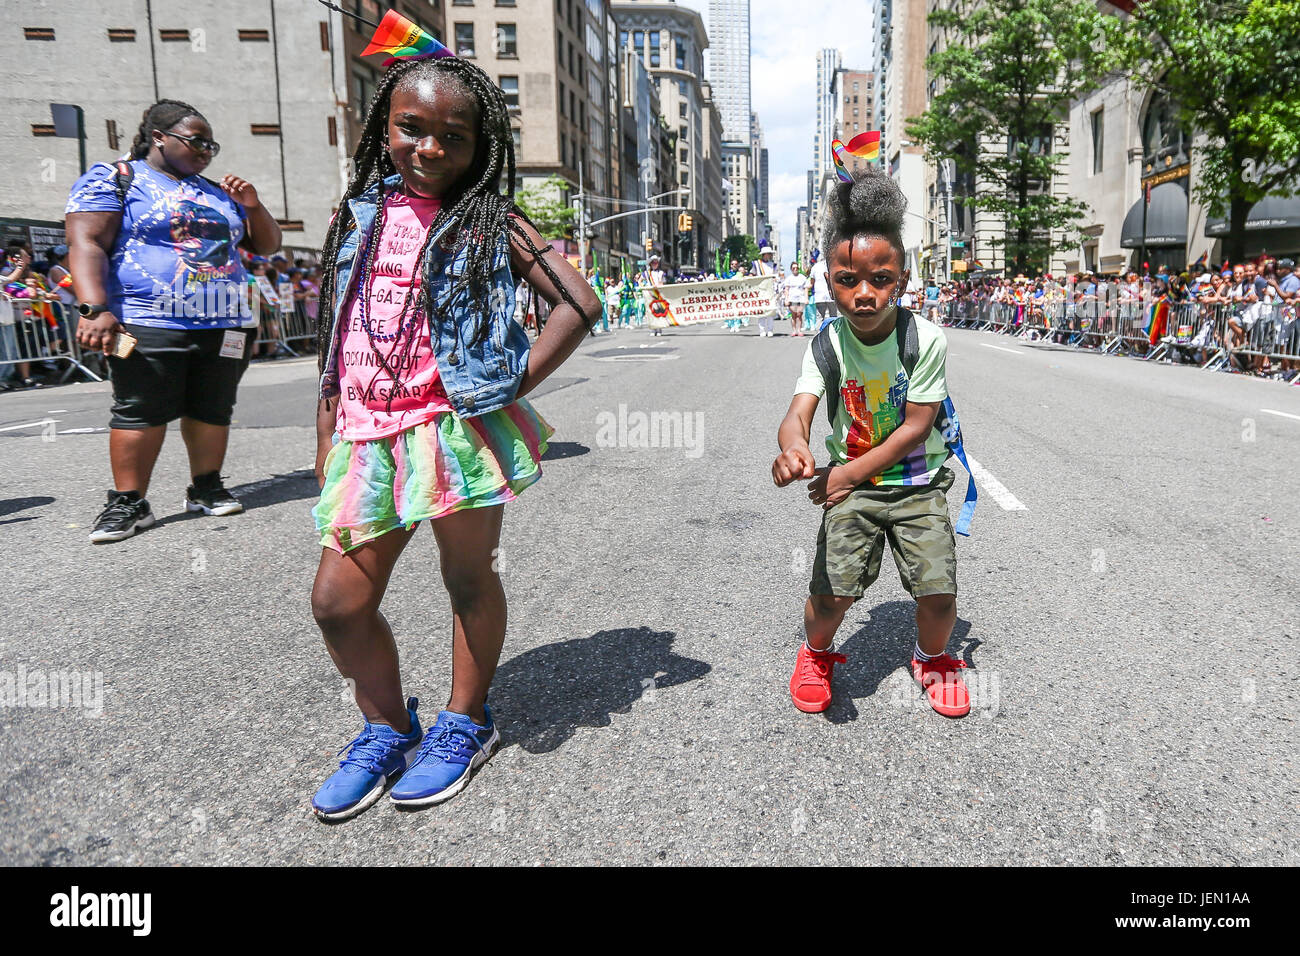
(421, 412)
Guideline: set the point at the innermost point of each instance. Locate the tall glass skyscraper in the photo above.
(729, 66)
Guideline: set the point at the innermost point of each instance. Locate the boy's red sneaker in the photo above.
(810, 686)
(943, 684)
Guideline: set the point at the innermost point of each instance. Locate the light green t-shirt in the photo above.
(874, 391)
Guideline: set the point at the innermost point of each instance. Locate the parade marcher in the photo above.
(421, 413)
(822, 297)
(886, 479)
(765, 265)
(153, 255)
(655, 277)
(795, 295)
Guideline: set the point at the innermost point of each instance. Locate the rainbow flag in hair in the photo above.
(399, 37)
(864, 146)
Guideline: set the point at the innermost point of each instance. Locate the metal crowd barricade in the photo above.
(27, 338)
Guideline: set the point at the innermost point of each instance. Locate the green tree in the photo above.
(543, 203)
(1232, 70)
(742, 248)
(1007, 77)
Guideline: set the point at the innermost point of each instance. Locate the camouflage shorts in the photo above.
(913, 519)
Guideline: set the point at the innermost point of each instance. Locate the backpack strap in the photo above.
(946, 422)
(909, 340)
(123, 174)
(828, 363)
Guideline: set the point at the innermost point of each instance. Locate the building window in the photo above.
(464, 39)
(683, 136)
(510, 87)
(562, 113)
(254, 36)
(506, 45)
(121, 34)
(679, 52)
(654, 49)
(505, 3)
(681, 109)
(174, 36)
(686, 155)
(638, 42)
(514, 135)
(1098, 131)
(622, 39)
(38, 33)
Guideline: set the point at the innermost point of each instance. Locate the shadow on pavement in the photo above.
(10, 506)
(544, 695)
(275, 490)
(879, 648)
(564, 449)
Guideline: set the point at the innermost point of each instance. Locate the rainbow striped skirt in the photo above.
(425, 472)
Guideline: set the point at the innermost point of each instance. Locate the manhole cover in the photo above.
(629, 353)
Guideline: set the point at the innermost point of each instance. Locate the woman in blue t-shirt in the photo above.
(153, 255)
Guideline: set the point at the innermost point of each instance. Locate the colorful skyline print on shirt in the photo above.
(874, 410)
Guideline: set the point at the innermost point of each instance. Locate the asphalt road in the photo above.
(1130, 626)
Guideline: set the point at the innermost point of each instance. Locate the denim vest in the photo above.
(479, 377)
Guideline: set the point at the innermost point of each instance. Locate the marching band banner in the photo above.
(687, 303)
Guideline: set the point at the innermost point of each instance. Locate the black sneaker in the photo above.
(210, 496)
(125, 514)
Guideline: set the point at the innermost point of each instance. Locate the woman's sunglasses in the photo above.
(196, 143)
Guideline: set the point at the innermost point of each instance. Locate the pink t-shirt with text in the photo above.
(364, 384)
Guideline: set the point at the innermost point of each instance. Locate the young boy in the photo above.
(886, 480)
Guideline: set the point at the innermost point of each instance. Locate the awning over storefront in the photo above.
(1271, 212)
(1166, 219)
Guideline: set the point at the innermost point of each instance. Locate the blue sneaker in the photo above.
(377, 755)
(452, 748)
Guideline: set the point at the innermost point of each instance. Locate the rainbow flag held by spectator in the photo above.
(1159, 321)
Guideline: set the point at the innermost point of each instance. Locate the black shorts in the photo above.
(174, 373)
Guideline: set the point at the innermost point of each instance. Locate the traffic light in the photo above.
(647, 242)
(684, 222)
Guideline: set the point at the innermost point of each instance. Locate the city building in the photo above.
(281, 84)
(901, 78)
(855, 108)
(1127, 137)
(670, 41)
(552, 63)
(738, 171)
(729, 66)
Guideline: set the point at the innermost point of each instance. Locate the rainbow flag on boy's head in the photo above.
(864, 145)
(399, 37)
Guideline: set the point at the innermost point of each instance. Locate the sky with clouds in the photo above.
(784, 39)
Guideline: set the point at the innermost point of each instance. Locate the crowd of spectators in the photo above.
(38, 313)
(1245, 314)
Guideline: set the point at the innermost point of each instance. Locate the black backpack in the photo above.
(909, 353)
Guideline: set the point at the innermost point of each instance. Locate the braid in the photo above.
(474, 212)
(162, 116)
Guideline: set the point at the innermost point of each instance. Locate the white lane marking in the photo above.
(54, 411)
(995, 488)
(43, 421)
(1272, 411)
(1001, 349)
